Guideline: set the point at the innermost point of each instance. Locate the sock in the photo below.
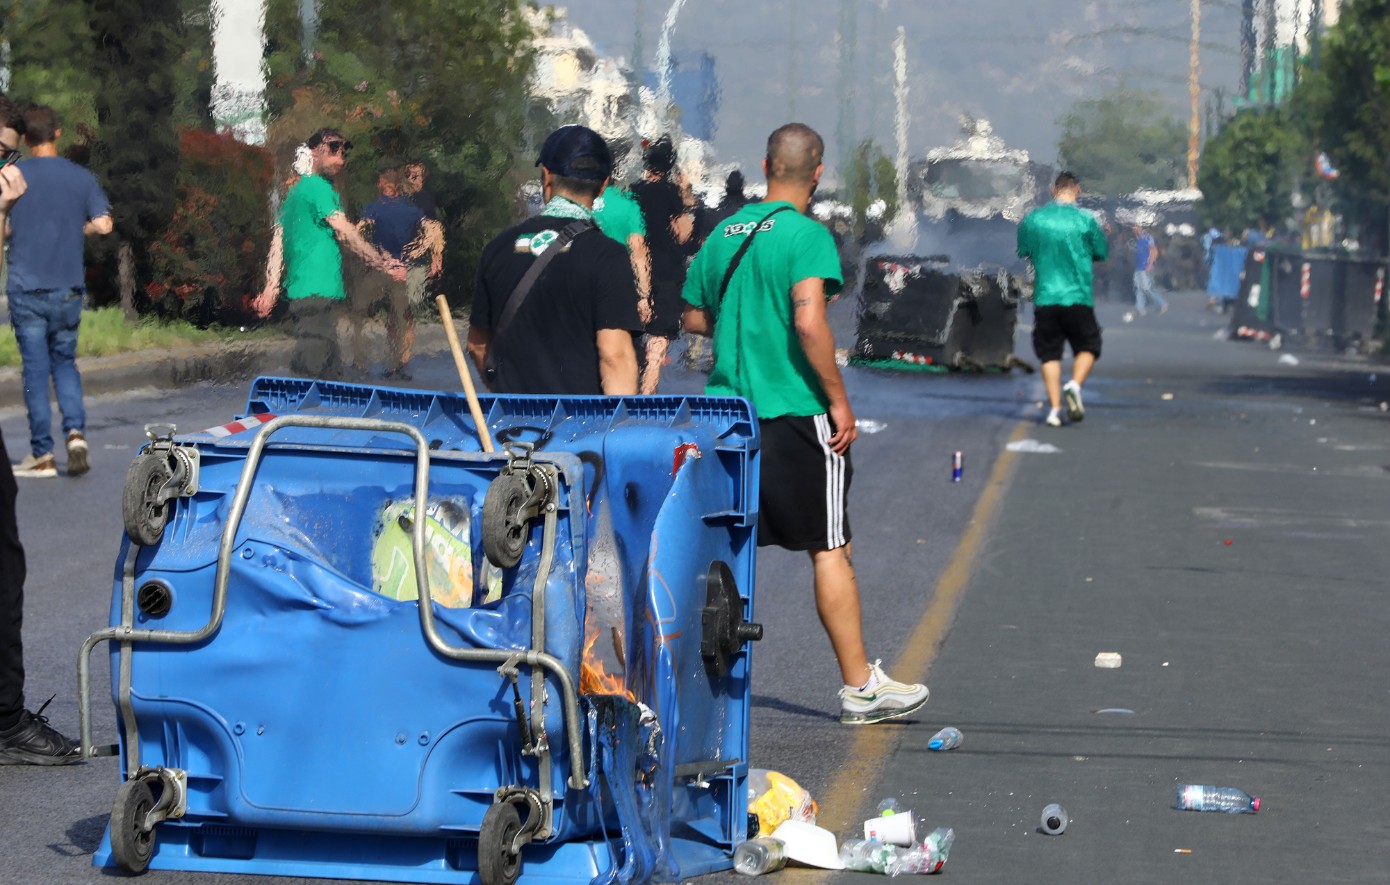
(1055, 413)
(872, 683)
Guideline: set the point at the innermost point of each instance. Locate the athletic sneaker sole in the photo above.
(880, 715)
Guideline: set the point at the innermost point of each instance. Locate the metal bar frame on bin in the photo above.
(126, 634)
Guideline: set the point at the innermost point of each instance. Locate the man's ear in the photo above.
(815, 178)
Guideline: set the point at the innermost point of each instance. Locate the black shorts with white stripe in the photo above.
(804, 486)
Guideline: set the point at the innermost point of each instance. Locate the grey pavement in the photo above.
(1257, 663)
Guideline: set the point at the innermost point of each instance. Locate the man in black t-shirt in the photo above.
(670, 224)
(573, 332)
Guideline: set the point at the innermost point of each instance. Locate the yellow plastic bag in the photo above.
(776, 798)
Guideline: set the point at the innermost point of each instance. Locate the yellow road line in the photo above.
(842, 805)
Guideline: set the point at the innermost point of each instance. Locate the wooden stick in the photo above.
(464, 375)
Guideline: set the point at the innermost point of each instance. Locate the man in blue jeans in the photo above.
(47, 230)
(1145, 254)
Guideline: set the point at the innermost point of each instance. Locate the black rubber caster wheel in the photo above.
(498, 864)
(131, 844)
(504, 531)
(145, 515)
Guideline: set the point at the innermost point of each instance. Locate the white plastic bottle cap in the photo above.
(1108, 660)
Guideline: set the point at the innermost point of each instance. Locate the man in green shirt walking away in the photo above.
(1063, 241)
(764, 304)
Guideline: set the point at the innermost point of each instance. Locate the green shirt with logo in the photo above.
(1062, 240)
(757, 353)
(618, 215)
(313, 261)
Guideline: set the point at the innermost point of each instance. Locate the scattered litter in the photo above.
(1222, 334)
(1288, 359)
(809, 844)
(891, 828)
(871, 856)
(1165, 663)
(1054, 820)
(1089, 580)
(866, 425)
(1032, 445)
(1108, 660)
(1191, 797)
(947, 738)
(921, 540)
(1128, 316)
(841, 357)
(1165, 397)
(1121, 710)
(761, 855)
(1228, 543)
(776, 798)
(1182, 850)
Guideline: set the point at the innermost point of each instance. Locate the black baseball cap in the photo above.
(576, 152)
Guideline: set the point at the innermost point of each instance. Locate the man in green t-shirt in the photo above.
(619, 216)
(773, 345)
(304, 250)
(1063, 241)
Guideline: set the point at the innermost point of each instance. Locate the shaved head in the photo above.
(794, 153)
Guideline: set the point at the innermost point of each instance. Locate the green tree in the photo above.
(1347, 104)
(442, 82)
(1250, 169)
(874, 178)
(137, 46)
(1123, 141)
(49, 44)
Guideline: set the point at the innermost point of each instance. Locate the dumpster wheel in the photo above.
(132, 844)
(504, 528)
(144, 512)
(499, 858)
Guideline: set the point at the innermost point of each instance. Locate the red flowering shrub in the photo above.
(212, 252)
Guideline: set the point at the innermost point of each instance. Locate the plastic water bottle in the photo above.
(929, 857)
(1192, 797)
(888, 807)
(867, 855)
(1054, 820)
(761, 855)
(947, 738)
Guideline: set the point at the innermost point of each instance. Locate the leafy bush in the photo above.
(211, 254)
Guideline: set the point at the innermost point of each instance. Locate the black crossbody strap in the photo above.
(742, 250)
(528, 282)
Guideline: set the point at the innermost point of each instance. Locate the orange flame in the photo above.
(594, 677)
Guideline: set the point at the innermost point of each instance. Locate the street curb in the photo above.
(226, 363)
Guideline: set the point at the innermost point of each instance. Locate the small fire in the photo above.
(594, 677)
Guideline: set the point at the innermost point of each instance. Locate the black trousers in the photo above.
(11, 600)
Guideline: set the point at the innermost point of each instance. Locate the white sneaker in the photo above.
(1054, 419)
(40, 467)
(885, 699)
(1071, 393)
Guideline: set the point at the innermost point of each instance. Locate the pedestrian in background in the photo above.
(47, 233)
(619, 216)
(396, 226)
(1145, 256)
(764, 304)
(555, 304)
(1063, 241)
(670, 223)
(304, 250)
(25, 738)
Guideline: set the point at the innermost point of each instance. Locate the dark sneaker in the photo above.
(34, 742)
(37, 467)
(77, 454)
(1071, 393)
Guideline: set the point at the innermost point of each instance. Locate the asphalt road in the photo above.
(1256, 663)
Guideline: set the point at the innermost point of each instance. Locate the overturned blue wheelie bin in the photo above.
(346, 641)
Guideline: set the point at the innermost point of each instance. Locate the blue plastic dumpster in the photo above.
(544, 677)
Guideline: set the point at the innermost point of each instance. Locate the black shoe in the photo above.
(34, 742)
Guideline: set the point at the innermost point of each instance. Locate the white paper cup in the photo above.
(895, 829)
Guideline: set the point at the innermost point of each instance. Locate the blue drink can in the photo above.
(957, 464)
